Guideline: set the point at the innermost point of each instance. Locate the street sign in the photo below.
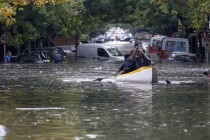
(2, 39)
(207, 35)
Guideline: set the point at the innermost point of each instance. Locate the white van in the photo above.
(170, 45)
(99, 51)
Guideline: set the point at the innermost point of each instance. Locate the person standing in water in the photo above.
(8, 58)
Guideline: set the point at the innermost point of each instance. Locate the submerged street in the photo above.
(61, 101)
(59, 62)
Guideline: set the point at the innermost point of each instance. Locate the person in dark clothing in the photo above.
(123, 65)
(141, 60)
(8, 57)
(136, 60)
(57, 57)
(129, 63)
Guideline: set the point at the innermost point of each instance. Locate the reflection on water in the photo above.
(3, 132)
(61, 101)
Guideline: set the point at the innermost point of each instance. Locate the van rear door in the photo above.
(174, 44)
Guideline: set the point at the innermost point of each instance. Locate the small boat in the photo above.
(146, 74)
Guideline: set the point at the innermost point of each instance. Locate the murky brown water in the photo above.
(62, 102)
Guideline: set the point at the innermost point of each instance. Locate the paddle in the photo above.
(167, 81)
(99, 79)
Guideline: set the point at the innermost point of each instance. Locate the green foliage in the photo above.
(47, 19)
(193, 13)
(46, 22)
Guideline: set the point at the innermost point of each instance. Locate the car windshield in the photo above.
(184, 58)
(36, 57)
(65, 47)
(175, 45)
(114, 52)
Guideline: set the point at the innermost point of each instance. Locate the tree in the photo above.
(9, 8)
(43, 22)
(68, 17)
(193, 15)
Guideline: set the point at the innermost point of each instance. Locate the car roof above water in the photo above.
(48, 49)
(183, 53)
(103, 45)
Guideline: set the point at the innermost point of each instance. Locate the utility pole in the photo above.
(207, 53)
(207, 41)
(209, 24)
(2, 39)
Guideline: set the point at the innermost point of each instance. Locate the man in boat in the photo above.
(129, 63)
(124, 64)
(136, 60)
(140, 59)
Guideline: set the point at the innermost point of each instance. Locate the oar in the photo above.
(167, 81)
(99, 79)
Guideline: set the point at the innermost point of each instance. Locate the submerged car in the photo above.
(182, 57)
(68, 49)
(32, 58)
(47, 52)
(29, 56)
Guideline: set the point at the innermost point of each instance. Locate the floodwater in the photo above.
(62, 102)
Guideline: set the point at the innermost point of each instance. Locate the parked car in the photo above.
(182, 57)
(28, 57)
(68, 49)
(47, 53)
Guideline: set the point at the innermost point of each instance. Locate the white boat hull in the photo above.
(145, 74)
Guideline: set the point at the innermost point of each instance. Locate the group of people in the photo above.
(134, 60)
(54, 57)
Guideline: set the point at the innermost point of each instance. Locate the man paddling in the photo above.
(124, 63)
(129, 63)
(141, 60)
(134, 61)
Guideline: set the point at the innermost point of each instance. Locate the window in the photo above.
(114, 52)
(181, 46)
(102, 52)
